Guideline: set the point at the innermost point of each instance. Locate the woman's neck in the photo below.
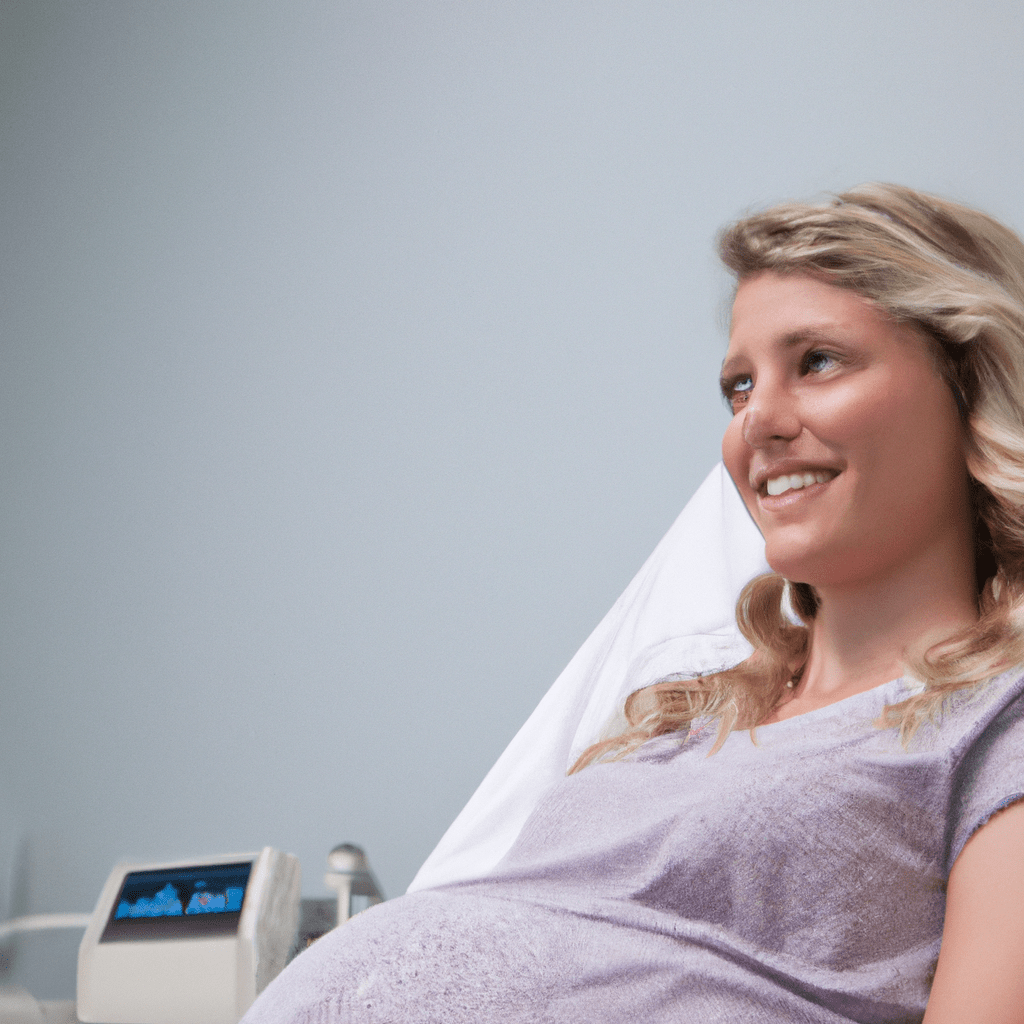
(865, 632)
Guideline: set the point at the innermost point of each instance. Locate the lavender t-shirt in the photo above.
(801, 878)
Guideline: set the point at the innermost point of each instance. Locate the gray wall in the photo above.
(355, 355)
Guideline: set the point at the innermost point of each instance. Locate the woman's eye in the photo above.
(738, 390)
(817, 362)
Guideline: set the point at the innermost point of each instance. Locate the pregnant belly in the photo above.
(462, 957)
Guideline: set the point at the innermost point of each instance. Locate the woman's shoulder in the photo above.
(951, 724)
(973, 709)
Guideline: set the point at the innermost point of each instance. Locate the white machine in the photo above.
(188, 941)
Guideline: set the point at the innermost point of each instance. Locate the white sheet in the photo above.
(677, 615)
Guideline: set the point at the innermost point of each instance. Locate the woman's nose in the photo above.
(770, 416)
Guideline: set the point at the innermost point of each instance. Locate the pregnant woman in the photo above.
(831, 830)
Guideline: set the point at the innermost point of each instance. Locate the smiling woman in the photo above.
(877, 341)
(824, 384)
(869, 841)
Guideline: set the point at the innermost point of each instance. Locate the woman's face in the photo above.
(845, 442)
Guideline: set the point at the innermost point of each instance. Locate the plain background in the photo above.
(353, 357)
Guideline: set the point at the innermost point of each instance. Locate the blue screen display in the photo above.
(178, 902)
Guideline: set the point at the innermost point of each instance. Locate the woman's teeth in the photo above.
(795, 481)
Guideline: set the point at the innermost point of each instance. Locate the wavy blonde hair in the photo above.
(958, 275)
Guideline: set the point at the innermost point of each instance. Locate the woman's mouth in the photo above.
(797, 481)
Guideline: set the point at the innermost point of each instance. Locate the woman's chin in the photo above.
(797, 567)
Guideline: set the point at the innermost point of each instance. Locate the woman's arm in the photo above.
(980, 975)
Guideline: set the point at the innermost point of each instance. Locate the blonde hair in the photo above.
(958, 275)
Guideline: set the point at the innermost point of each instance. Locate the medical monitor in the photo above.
(189, 942)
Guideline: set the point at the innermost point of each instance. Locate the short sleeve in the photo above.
(991, 772)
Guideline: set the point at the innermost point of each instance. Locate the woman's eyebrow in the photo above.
(793, 338)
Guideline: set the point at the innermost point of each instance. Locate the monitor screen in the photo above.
(179, 903)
